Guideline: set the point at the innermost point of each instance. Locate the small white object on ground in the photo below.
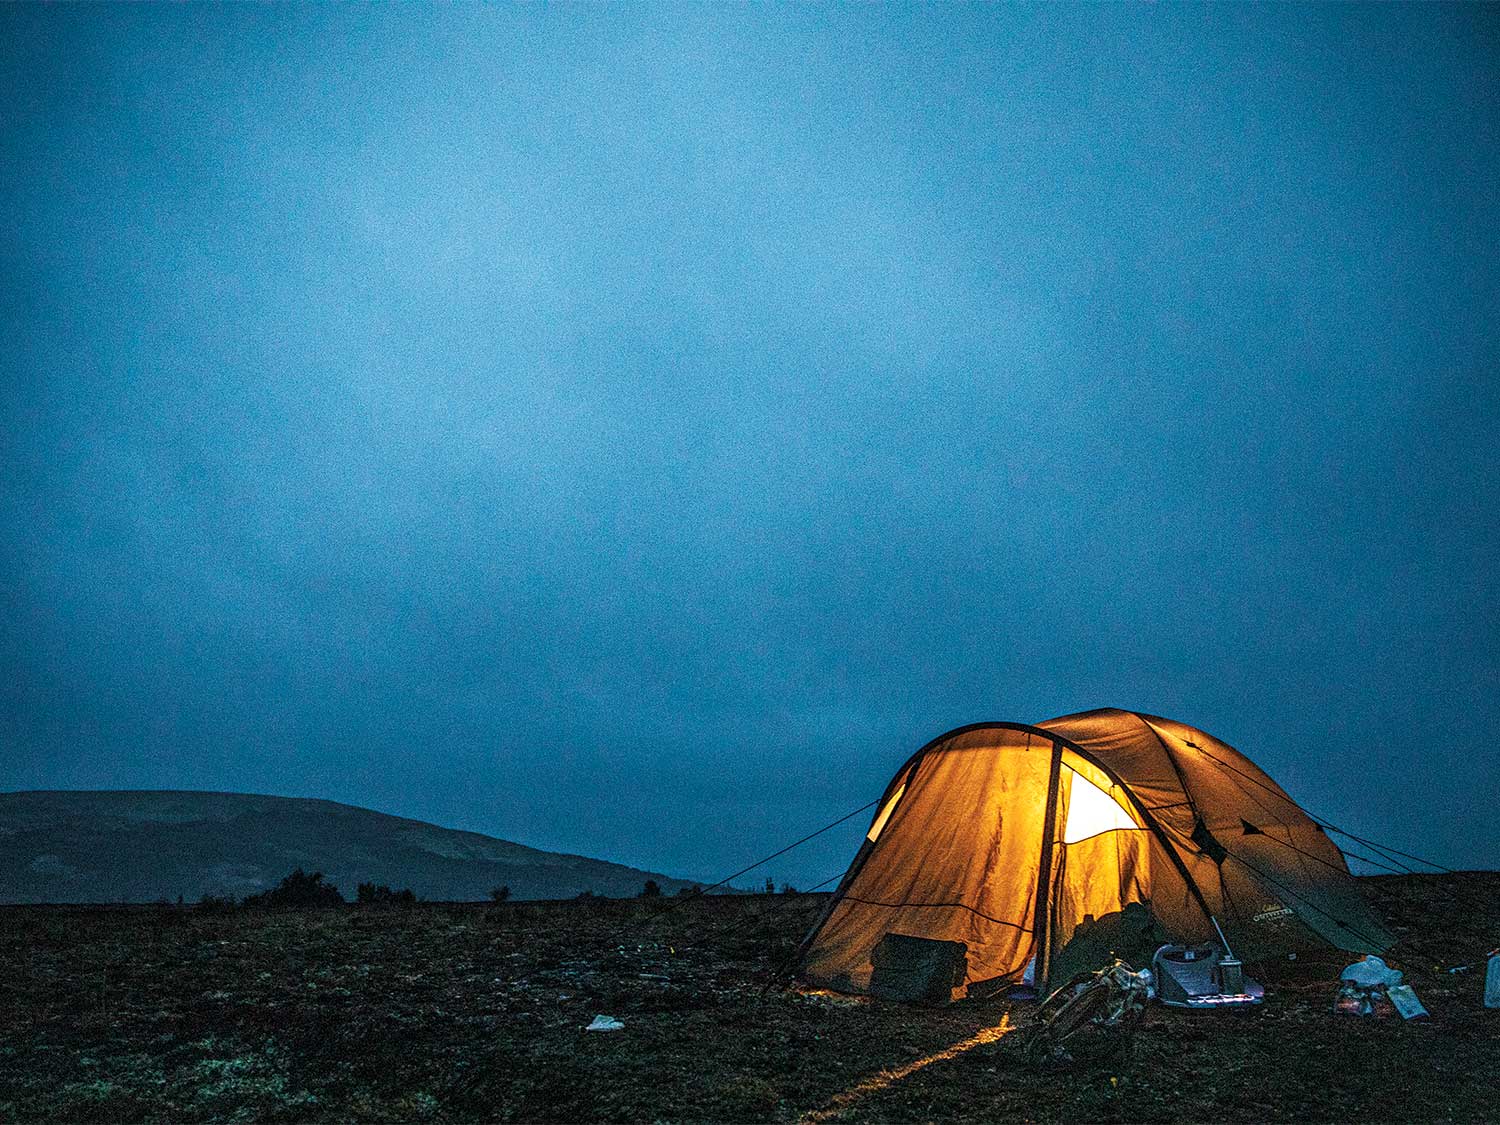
(1371, 972)
(1405, 1001)
(605, 1023)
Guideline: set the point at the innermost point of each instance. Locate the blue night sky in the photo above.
(633, 430)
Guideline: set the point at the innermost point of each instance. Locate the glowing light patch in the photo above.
(888, 1078)
(885, 814)
(1091, 811)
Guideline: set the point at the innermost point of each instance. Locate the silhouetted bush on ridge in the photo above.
(371, 894)
(299, 889)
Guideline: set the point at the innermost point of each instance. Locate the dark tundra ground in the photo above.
(462, 1012)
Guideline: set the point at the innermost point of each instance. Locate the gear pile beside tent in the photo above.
(1012, 839)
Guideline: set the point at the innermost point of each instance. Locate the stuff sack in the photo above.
(917, 969)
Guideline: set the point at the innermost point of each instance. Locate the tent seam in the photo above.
(941, 906)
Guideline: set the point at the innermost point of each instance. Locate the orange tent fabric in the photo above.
(1006, 837)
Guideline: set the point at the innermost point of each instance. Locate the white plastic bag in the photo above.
(1371, 972)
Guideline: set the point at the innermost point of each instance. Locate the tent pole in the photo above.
(1042, 922)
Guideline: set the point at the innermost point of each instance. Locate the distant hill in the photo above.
(141, 846)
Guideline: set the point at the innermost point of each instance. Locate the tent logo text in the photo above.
(1271, 914)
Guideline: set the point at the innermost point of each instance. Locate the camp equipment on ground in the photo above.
(1371, 972)
(1405, 1000)
(1353, 1000)
(1229, 972)
(1008, 837)
(1492, 981)
(1229, 975)
(1131, 934)
(916, 968)
(1364, 988)
(1190, 976)
(1371, 987)
(1112, 997)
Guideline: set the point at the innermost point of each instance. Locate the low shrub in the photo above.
(299, 889)
(382, 895)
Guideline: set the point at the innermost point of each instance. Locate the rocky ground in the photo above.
(473, 1011)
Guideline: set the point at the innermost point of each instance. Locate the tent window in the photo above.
(885, 814)
(1091, 811)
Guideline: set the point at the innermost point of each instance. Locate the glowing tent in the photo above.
(1009, 837)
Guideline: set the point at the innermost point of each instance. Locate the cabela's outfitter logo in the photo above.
(1272, 912)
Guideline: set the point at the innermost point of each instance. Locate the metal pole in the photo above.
(1222, 938)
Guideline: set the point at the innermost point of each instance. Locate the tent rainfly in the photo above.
(1010, 838)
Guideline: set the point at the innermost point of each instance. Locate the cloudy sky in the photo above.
(633, 430)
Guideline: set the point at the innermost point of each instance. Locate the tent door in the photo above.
(1100, 858)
